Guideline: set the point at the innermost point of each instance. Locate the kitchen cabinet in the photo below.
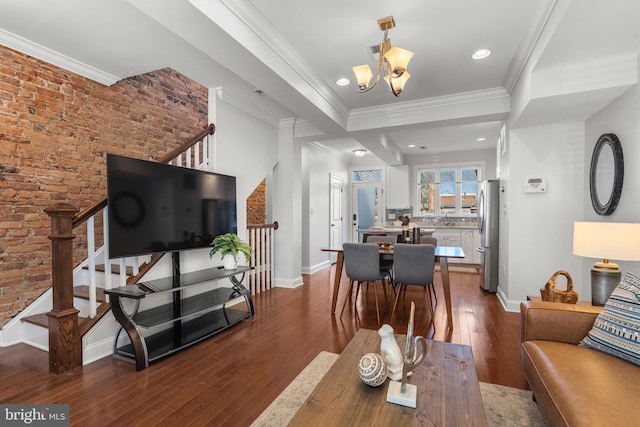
(449, 237)
(398, 187)
(467, 238)
(470, 239)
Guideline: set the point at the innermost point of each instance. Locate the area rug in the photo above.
(503, 406)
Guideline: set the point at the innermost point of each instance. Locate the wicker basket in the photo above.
(550, 293)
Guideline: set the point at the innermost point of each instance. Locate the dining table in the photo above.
(442, 255)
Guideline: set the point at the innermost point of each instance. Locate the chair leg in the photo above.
(345, 300)
(433, 289)
(393, 311)
(430, 302)
(375, 291)
(355, 299)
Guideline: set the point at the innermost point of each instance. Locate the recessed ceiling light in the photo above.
(359, 152)
(481, 54)
(482, 138)
(343, 81)
(411, 145)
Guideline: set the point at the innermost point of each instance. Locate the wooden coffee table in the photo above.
(448, 390)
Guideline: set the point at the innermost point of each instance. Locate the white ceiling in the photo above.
(294, 51)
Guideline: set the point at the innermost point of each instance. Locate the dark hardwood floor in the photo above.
(232, 377)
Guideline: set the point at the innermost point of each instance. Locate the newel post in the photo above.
(65, 351)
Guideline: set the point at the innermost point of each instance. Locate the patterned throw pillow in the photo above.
(616, 331)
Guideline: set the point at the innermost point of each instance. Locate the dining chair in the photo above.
(386, 261)
(362, 264)
(413, 265)
(430, 240)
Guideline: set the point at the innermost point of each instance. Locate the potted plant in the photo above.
(230, 246)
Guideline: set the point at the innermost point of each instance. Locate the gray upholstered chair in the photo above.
(362, 264)
(413, 264)
(386, 261)
(428, 240)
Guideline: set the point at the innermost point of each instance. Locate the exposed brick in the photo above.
(55, 130)
(256, 205)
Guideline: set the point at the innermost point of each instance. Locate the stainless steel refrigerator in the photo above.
(489, 225)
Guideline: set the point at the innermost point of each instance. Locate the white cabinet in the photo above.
(470, 242)
(398, 187)
(448, 237)
(467, 238)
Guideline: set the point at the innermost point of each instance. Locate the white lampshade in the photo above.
(363, 76)
(398, 82)
(607, 240)
(398, 60)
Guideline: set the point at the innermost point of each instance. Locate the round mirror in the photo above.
(606, 174)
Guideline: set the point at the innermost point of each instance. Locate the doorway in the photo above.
(335, 214)
(367, 208)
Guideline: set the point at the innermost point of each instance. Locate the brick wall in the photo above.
(257, 206)
(55, 128)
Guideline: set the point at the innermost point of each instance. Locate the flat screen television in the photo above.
(155, 207)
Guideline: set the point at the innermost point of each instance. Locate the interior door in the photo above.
(335, 220)
(367, 208)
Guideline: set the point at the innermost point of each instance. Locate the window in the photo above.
(371, 175)
(451, 190)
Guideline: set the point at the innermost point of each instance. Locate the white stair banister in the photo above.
(91, 249)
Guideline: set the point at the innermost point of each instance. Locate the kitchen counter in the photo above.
(425, 230)
(466, 226)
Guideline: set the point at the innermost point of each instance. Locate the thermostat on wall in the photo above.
(535, 185)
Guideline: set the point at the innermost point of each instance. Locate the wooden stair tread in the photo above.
(37, 319)
(82, 291)
(115, 269)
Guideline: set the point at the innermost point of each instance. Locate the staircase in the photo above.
(58, 320)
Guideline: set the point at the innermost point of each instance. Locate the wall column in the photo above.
(65, 351)
(287, 208)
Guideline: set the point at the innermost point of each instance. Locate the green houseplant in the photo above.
(230, 246)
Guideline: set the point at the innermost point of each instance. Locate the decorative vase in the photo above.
(390, 352)
(372, 369)
(230, 262)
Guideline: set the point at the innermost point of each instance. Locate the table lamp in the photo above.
(606, 240)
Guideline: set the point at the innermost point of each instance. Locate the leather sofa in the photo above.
(575, 385)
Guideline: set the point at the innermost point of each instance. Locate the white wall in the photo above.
(621, 117)
(540, 226)
(318, 164)
(245, 147)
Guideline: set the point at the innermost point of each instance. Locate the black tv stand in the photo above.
(177, 312)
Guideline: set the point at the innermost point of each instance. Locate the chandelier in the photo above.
(392, 63)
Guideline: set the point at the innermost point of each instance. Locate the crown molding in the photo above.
(317, 92)
(527, 46)
(38, 51)
(493, 101)
(289, 122)
(246, 106)
(427, 103)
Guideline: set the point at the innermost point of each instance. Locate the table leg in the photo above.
(336, 281)
(444, 272)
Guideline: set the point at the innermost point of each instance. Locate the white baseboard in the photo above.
(509, 305)
(316, 268)
(288, 283)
